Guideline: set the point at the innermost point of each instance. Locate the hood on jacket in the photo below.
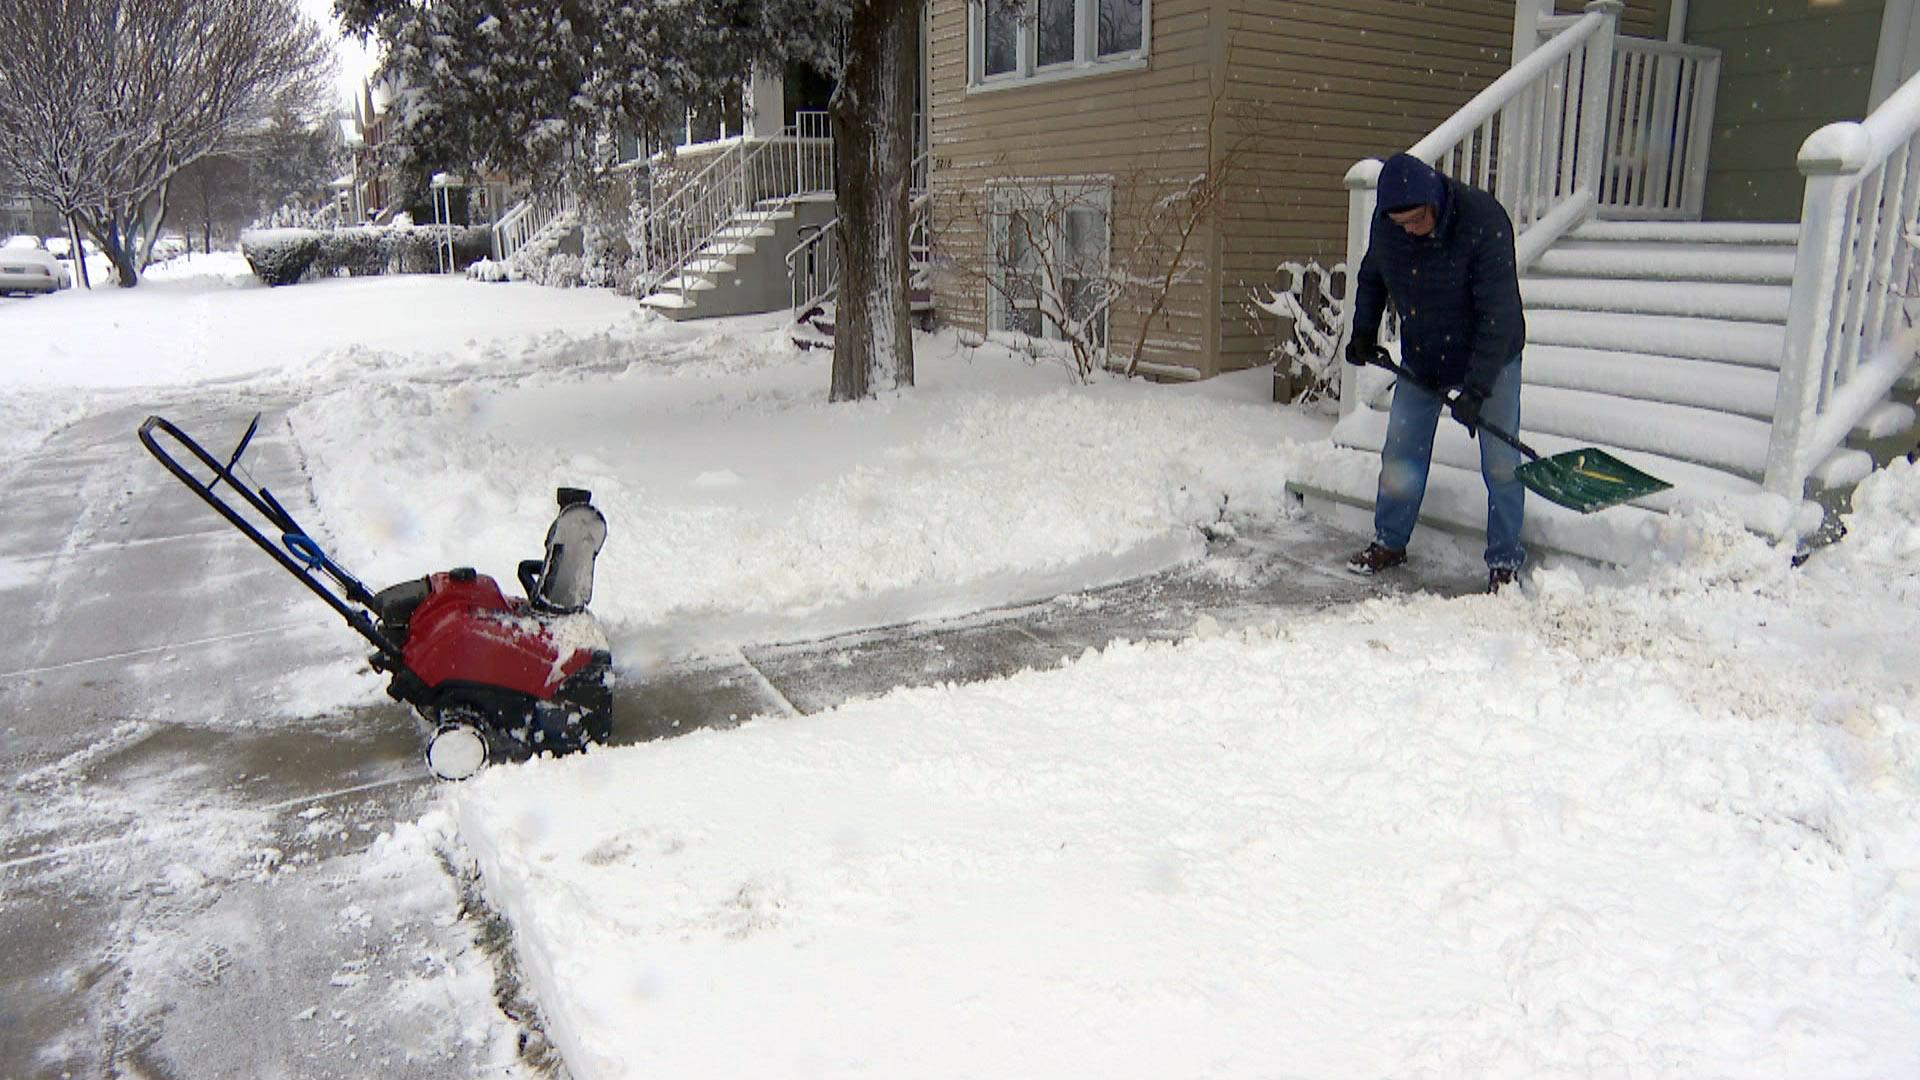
(1407, 182)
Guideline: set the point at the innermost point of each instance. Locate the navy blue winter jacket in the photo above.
(1457, 290)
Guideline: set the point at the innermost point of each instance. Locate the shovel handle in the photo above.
(1379, 358)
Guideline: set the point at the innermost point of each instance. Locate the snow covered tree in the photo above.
(221, 193)
(541, 89)
(873, 151)
(103, 102)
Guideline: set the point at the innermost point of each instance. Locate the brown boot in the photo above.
(1499, 578)
(1375, 559)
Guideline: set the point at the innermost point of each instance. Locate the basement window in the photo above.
(1015, 42)
(1050, 260)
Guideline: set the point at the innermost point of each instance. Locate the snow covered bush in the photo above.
(280, 256)
(488, 270)
(561, 271)
(359, 251)
(415, 249)
(1312, 301)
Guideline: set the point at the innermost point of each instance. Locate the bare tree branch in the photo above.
(102, 102)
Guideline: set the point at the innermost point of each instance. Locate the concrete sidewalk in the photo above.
(158, 793)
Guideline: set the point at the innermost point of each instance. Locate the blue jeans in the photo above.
(1408, 453)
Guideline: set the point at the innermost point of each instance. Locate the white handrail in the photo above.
(519, 225)
(1534, 138)
(1851, 325)
(1490, 102)
(798, 161)
(813, 266)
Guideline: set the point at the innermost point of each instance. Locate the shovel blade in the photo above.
(1587, 480)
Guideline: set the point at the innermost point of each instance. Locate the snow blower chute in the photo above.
(494, 677)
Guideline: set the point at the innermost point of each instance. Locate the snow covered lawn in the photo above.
(1661, 829)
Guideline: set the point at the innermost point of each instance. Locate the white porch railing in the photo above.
(1850, 330)
(1534, 138)
(813, 266)
(523, 222)
(797, 161)
(1659, 125)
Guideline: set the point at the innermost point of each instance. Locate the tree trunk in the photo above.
(79, 251)
(873, 150)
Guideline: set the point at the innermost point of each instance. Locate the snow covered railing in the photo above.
(813, 268)
(798, 161)
(1850, 329)
(1535, 138)
(522, 223)
(1659, 124)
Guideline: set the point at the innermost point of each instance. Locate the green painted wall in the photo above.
(1788, 67)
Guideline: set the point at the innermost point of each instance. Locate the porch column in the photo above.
(766, 102)
(1526, 26)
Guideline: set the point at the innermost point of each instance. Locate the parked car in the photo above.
(31, 270)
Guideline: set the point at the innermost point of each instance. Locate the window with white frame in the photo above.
(1049, 263)
(1018, 40)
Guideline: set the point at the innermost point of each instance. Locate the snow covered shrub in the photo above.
(280, 256)
(416, 249)
(488, 270)
(1312, 301)
(605, 211)
(562, 271)
(360, 251)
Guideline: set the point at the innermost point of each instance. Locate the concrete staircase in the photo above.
(742, 270)
(1659, 342)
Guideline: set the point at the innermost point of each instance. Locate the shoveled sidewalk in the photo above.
(1243, 580)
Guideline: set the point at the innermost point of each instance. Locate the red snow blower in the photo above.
(494, 677)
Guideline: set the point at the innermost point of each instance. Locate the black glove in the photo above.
(1465, 407)
(1364, 351)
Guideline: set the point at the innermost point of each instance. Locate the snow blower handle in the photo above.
(1379, 357)
(296, 553)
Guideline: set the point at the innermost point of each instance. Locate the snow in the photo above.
(207, 319)
(1659, 821)
(1614, 829)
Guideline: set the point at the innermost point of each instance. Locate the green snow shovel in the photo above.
(1585, 480)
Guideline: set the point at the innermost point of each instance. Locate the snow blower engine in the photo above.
(494, 677)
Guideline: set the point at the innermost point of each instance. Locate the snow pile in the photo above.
(737, 497)
(1598, 830)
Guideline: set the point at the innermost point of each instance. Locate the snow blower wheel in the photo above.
(456, 751)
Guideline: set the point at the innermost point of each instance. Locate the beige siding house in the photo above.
(1215, 142)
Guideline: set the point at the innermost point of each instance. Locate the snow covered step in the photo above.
(666, 300)
(1769, 265)
(709, 264)
(1890, 418)
(728, 249)
(1691, 232)
(1748, 303)
(1706, 384)
(743, 231)
(1719, 441)
(1338, 485)
(685, 283)
(766, 215)
(1756, 344)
